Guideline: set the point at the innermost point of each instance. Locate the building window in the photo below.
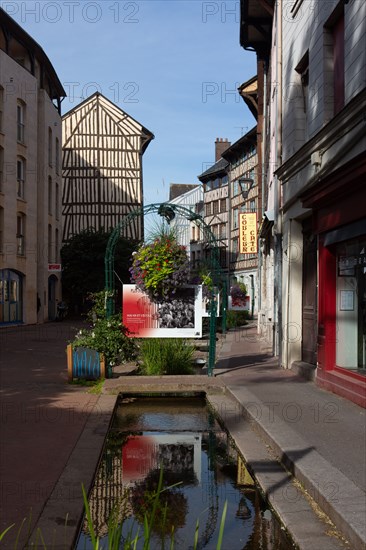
(57, 246)
(235, 218)
(20, 234)
(215, 207)
(20, 177)
(20, 121)
(223, 231)
(252, 207)
(1, 168)
(224, 180)
(50, 146)
(223, 260)
(1, 229)
(50, 259)
(57, 201)
(338, 64)
(209, 209)
(223, 205)
(236, 189)
(1, 107)
(50, 195)
(57, 156)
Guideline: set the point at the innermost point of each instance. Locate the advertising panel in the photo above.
(248, 233)
(178, 317)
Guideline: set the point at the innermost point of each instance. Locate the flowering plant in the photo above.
(160, 267)
(238, 291)
(204, 278)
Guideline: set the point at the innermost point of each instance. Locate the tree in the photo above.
(83, 265)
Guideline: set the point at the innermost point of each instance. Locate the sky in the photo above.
(173, 65)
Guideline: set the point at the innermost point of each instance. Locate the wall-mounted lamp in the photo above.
(246, 185)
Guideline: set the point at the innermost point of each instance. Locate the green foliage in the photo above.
(83, 264)
(236, 318)
(107, 336)
(161, 266)
(166, 356)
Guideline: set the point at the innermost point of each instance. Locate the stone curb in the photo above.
(66, 497)
(307, 529)
(336, 495)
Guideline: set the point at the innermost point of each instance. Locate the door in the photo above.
(309, 298)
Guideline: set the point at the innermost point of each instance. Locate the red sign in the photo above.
(54, 267)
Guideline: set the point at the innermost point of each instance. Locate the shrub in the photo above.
(107, 336)
(236, 318)
(166, 356)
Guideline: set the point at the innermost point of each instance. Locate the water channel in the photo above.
(182, 436)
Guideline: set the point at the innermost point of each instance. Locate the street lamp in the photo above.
(246, 185)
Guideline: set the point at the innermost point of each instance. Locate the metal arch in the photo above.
(214, 263)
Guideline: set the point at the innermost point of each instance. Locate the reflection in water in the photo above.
(201, 470)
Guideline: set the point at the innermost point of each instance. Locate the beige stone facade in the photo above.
(30, 179)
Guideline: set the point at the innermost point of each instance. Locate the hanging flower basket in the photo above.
(161, 267)
(238, 291)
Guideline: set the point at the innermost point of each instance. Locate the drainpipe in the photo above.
(288, 291)
(278, 224)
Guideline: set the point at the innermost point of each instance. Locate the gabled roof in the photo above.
(219, 167)
(246, 141)
(256, 18)
(178, 189)
(249, 92)
(122, 116)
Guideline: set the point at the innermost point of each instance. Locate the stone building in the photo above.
(312, 92)
(30, 178)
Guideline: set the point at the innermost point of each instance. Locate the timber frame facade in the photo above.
(102, 167)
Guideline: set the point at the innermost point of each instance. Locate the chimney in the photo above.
(220, 146)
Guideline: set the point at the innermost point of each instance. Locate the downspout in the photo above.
(278, 221)
(288, 291)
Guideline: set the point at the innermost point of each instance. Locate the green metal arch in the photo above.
(165, 209)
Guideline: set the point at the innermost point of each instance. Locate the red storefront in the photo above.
(339, 219)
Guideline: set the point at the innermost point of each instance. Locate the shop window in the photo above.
(10, 296)
(351, 304)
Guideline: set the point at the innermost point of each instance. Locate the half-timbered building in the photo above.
(102, 167)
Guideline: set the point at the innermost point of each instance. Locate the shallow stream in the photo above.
(183, 437)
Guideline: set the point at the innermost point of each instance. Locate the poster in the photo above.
(239, 304)
(206, 305)
(179, 317)
(178, 454)
(248, 233)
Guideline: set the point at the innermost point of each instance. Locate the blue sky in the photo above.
(173, 65)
